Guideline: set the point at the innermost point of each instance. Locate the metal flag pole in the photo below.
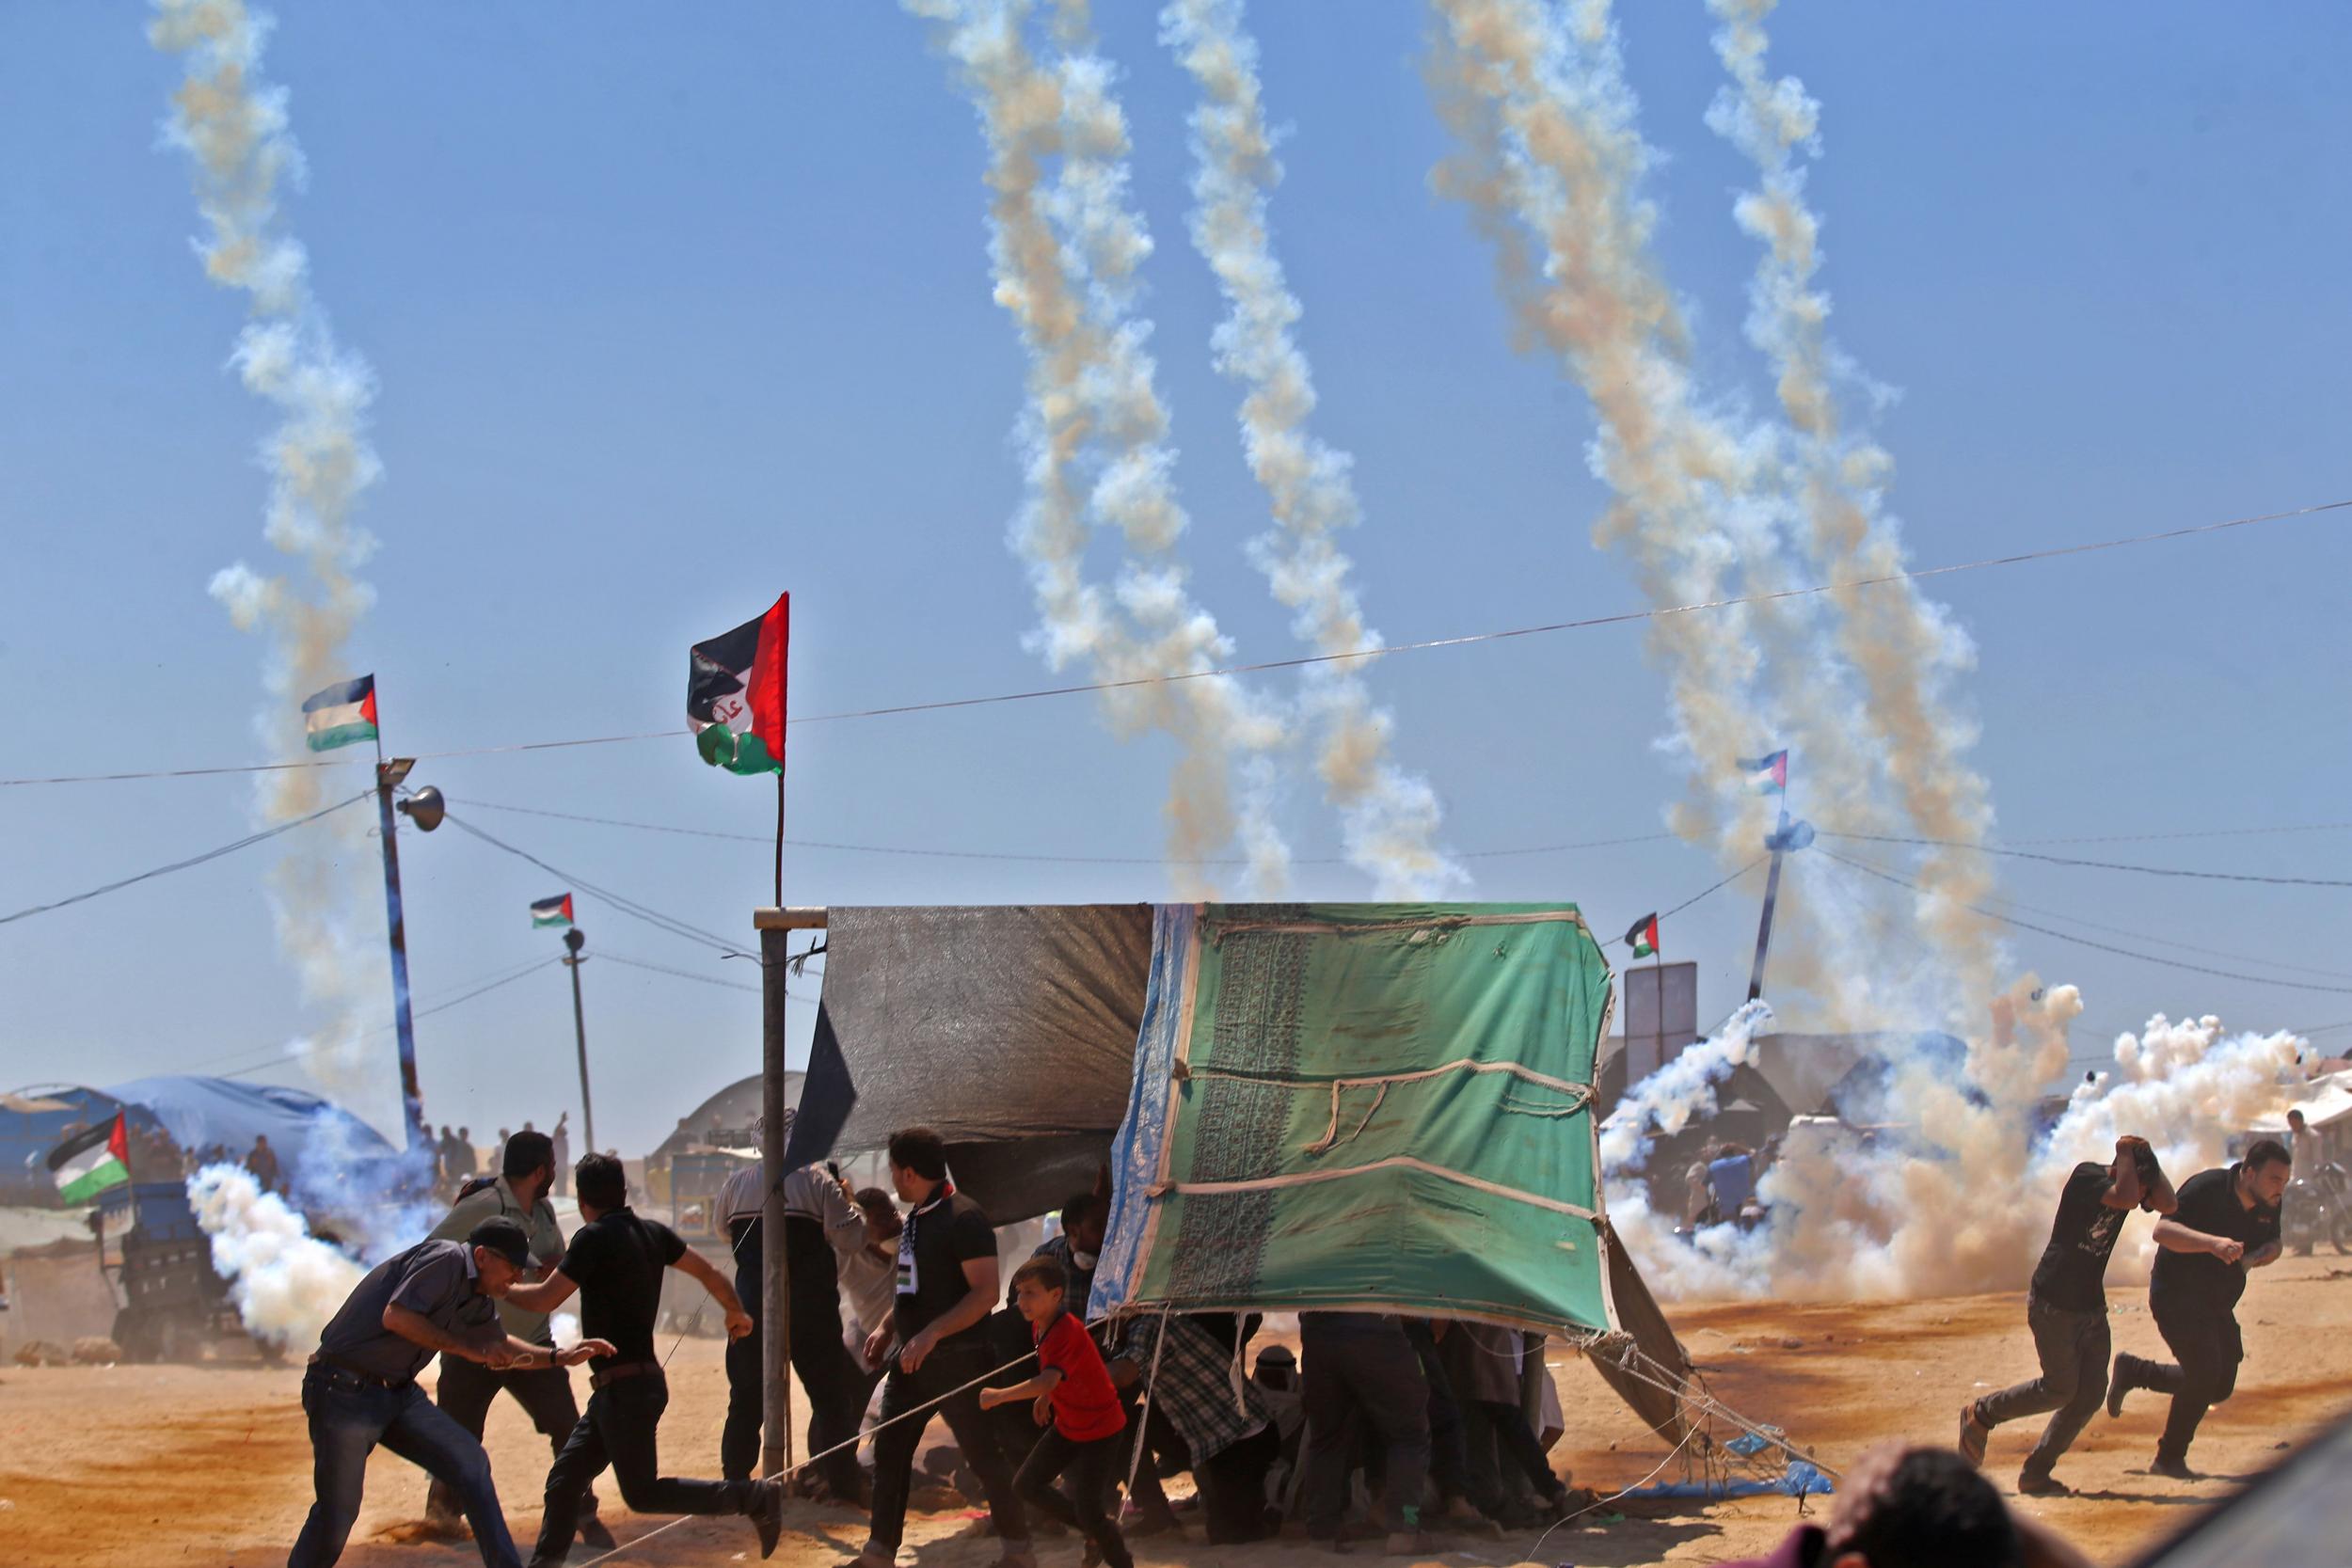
(574, 940)
(387, 778)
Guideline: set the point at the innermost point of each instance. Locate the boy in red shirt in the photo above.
(1073, 1391)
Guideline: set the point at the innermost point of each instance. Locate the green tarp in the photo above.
(1365, 1105)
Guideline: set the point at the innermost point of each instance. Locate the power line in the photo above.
(276, 1058)
(229, 848)
(625, 905)
(473, 803)
(2085, 942)
(611, 956)
(1711, 887)
(1308, 660)
(2007, 902)
(2095, 866)
(2202, 832)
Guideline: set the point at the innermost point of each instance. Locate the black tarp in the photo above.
(1009, 1028)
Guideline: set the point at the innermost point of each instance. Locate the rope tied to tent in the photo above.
(1576, 1096)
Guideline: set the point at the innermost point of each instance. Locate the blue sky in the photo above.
(672, 308)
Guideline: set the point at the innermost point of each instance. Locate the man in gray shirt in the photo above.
(437, 1297)
(545, 1392)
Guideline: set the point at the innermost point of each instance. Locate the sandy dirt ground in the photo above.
(106, 1467)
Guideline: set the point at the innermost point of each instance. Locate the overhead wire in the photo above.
(2096, 865)
(1711, 887)
(625, 905)
(1883, 875)
(229, 848)
(1652, 613)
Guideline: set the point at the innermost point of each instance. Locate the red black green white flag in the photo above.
(735, 694)
(91, 1160)
(553, 912)
(1766, 775)
(340, 715)
(1643, 938)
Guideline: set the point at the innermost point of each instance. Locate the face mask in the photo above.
(1083, 1262)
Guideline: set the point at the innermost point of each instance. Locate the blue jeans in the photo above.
(349, 1418)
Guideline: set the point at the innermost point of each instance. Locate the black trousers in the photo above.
(2073, 1347)
(464, 1395)
(620, 1429)
(1514, 1446)
(948, 1365)
(1091, 1466)
(2207, 1348)
(1232, 1488)
(1361, 1371)
(1450, 1464)
(833, 1385)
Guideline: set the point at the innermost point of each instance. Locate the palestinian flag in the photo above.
(91, 1160)
(1643, 938)
(340, 715)
(551, 912)
(735, 694)
(1766, 775)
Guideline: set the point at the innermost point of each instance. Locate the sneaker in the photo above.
(2122, 1383)
(2042, 1485)
(1973, 1435)
(594, 1535)
(765, 1508)
(2175, 1469)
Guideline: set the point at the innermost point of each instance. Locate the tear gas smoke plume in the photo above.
(1709, 503)
(1669, 1098)
(1934, 1186)
(233, 125)
(1065, 254)
(286, 1282)
(1904, 648)
(1389, 817)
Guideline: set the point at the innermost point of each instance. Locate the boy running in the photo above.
(1073, 1390)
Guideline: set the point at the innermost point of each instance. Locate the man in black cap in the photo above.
(616, 1262)
(545, 1392)
(439, 1297)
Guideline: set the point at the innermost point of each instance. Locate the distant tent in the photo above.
(320, 1145)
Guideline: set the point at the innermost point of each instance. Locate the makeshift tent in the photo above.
(302, 1128)
(1385, 1106)
(1380, 1107)
(34, 1121)
(1010, 1030)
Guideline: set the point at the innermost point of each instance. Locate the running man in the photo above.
(2228, 1223)
(2066, 1310)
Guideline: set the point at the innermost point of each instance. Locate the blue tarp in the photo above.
(193, 1113)
(198, 1112)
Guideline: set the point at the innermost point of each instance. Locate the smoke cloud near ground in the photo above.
(233, 125)
(1390, 817)
(286, 1283)
(1064, 249)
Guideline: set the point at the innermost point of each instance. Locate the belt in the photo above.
(324, 1362)
(627, 1369)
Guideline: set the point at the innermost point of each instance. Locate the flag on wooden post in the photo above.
(735, 694)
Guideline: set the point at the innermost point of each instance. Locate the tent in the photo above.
(1382, 1106)
(1008, 1029)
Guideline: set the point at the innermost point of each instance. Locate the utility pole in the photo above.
(575, 940)
(387, 778)
(775, 926)
(1786, 836)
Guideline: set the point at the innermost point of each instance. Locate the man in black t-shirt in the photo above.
(2066, 1309)
(2228, 1223)
(615, 1261)
(946, 1288)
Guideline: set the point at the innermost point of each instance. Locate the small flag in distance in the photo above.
(553, 912)
(735, 685)
(1766, 775)
(340, 715)
(1643, 936)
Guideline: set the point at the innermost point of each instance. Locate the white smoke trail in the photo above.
(285, 1281)
(1905, 647)
(232, 124)
(1390, 817)
(1065, 258)
(1679, 1092)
